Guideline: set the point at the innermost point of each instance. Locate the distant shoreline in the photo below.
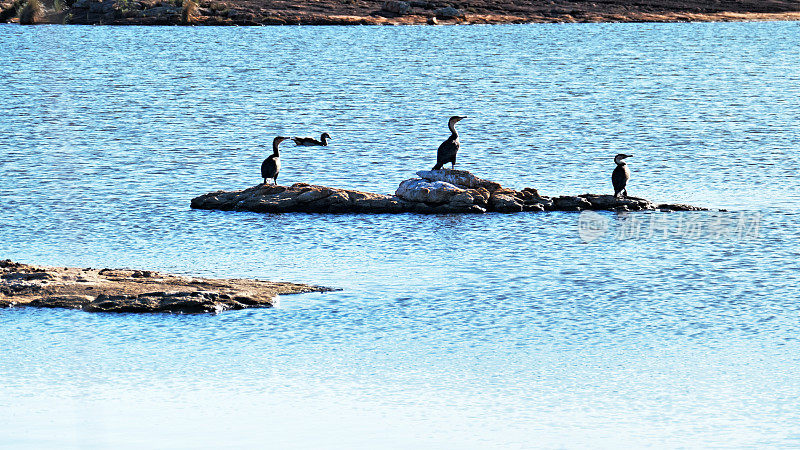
(390, 12)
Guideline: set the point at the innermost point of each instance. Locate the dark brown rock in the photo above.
(448, 12)
(506, 203)
(570, 203)
(299, 197)
(62, 301)
(611, 203)
(396, 6)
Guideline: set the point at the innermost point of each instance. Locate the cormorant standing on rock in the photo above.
(271, 166)
(447, 151)
(307, 141)
(621, 175)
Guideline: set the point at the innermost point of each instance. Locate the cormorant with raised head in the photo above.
(621, 175)
(271, 166)
(308, 142)
(447, 151)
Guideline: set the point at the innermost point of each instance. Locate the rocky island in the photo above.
(386, 12)
(134, 291)
(435, 191)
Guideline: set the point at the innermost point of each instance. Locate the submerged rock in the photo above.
(435, 191)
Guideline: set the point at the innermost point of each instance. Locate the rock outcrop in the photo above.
(435, 191)
(299, 197)
(396, 6)
(133, 291)
(388, 12)
(448, 12)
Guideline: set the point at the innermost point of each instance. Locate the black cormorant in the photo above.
(447, 151)
(307, 141)
(621, 175)
(271, 166)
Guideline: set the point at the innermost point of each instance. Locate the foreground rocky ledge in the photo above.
(134, 291)
(435, 191)
(386, 12)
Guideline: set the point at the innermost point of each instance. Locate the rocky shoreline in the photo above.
(434, 192)
(384, 12)
(134, 291)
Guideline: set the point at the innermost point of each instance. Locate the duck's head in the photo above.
(325, 136)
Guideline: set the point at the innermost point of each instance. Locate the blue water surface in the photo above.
(667, 330)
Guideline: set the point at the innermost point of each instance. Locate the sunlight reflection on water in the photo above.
(466, 331)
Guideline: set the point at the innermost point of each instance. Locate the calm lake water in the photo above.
(450, 331)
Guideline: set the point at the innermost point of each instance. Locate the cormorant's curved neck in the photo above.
(452, 126)
(275, 150)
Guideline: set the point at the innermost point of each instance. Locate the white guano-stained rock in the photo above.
(418, 190)
(460, 178)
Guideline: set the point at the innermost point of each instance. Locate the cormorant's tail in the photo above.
(437, 166)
